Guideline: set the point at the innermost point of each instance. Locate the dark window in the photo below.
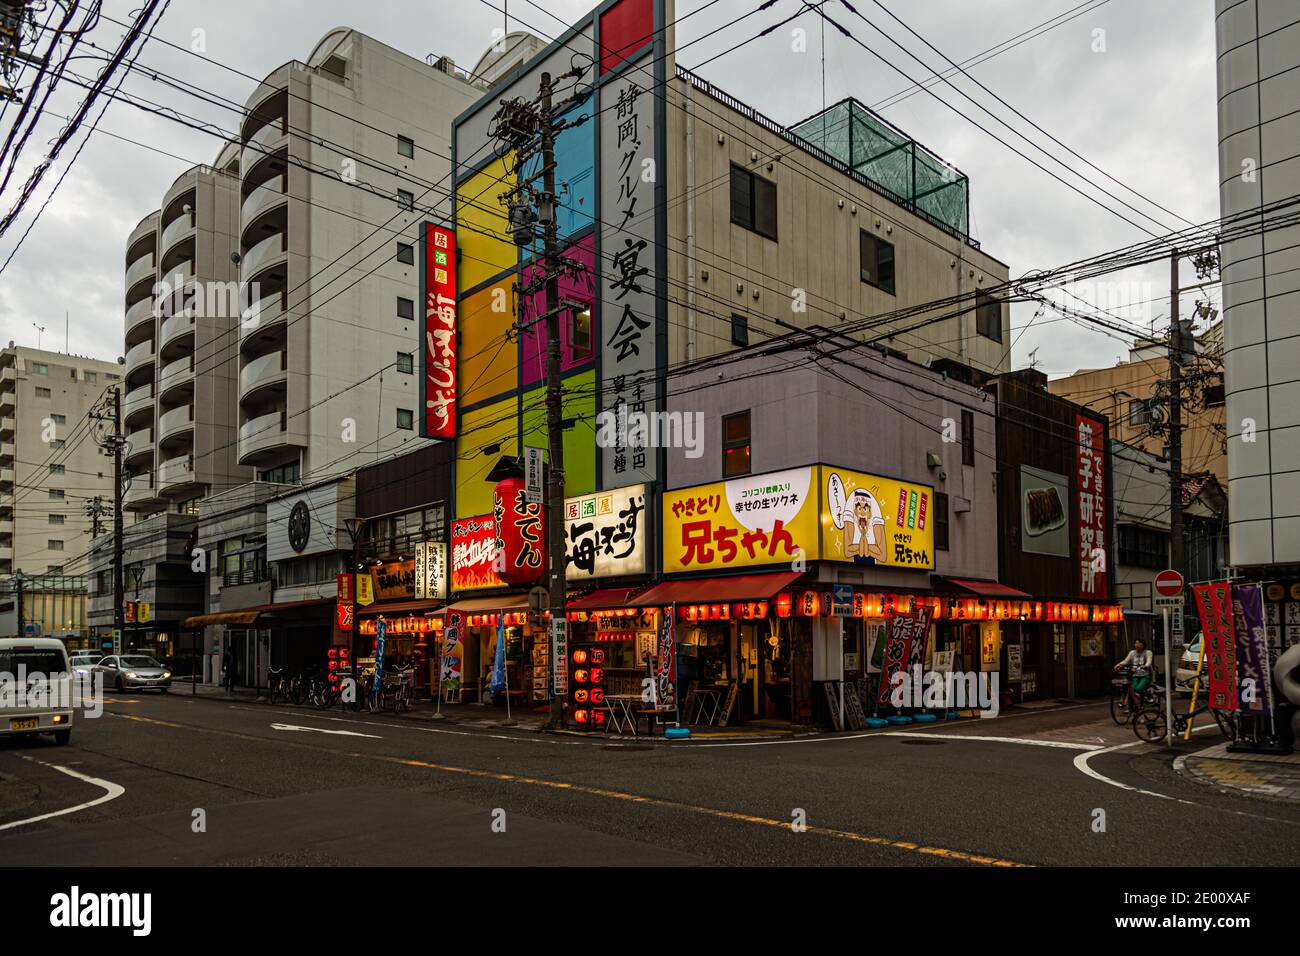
(1214, 396)
(405, 308)
(57, 519)
(406, 253)
(42, 392)
(405, 362)
(405, 419)
(940, 521)
(283, 474)
(739, 330)
(1143, 411)
(405, 146)
(580, 334)
(753, 202)
(735, 444)
(406, 199)
(40, 368)
(1143, 547)
(988, 316)
(877, 262)
(56, 493)
(54, 569)
(58, 469)
(54, 544)
(967, 437)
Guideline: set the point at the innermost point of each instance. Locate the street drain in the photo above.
(913, 742)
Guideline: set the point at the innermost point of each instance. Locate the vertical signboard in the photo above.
(560, 655)
(1091, 477)
(453, 649)
(533, 471)
(438, 374)
(1214, 604)
(629, 277)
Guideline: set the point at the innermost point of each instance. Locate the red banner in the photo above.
(473, 552)
(904, 631)
(1214, 604)
(1090, 470)
(438, 331)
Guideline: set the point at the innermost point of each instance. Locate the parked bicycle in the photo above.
(1150, 725)
(277, 686)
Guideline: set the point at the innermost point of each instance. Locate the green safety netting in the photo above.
(853, 135)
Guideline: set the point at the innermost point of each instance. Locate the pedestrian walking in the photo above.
(228, 670)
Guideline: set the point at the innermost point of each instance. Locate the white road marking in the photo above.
(1063, 744)
(111, 792)
(533, 738)
(325, 730)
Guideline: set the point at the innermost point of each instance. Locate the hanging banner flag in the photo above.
(438, 332)
(365, 590)
(453, 651)
(498, 683)
(381, 642)
(1215, 608)
(1252, 644)
(666, 667)
(1091, 476)
(904, 631)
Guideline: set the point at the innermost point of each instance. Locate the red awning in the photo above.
(603, 599)
(741, 587)
(989, 589)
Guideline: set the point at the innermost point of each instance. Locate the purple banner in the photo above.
(1252, 649)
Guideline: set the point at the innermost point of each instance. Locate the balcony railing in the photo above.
(175, 326)
(263, 197)
(139, 314)
(263, 370)
(262, 253)
(141, 268)
(175, 471)
(139, 355)
(137, 400)
(176, 230)
(174, 420)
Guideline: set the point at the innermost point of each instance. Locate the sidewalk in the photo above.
(1259, 775)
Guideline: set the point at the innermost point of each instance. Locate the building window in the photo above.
(405, 362)
(1143, 547)
(114, 377)
(988, 316)
(580, 334)
(58, 443)
(1143, 411)
(58, 469)
(405, 419)
(190, 507)
(940, 521)
(1214, 395)
(739, 330)
(40, 368)
(406, 199)
(967, 437)
(735, 444)
(406, 253)
(283, 474)
(876, 259)
(405, 308)
(57, 519)
(54, 544)
(42, 392)
(56, 492)
(406, 147)
(753, 202)
(91, 377)
(73, 376)
(54, 569)
(59, 419)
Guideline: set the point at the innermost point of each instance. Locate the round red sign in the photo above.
(1169, 583)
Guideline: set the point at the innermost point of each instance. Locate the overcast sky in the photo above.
(1128, 84)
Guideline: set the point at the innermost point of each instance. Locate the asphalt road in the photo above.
(205, 781)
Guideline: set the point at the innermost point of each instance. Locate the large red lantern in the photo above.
(521, 538)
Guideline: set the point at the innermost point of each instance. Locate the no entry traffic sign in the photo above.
(1169, 584)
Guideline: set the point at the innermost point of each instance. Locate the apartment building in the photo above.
(1258, 44)
(1132, 395)
(693, 225)
(50, 465)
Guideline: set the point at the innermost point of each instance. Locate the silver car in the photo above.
(125, 672)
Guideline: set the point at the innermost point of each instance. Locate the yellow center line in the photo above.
(948, 854)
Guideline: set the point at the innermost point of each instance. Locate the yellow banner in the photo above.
(365, 590)
(816, 512)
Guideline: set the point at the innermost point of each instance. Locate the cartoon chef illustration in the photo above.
(864, 528)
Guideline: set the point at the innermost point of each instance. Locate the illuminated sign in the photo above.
(1091, 461)
(473, 553)
(605, 534)
(438, 373)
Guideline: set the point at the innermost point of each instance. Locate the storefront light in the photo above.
(784, 605)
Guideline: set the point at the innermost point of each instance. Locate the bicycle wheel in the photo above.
(298, 692)
(277, 692)
(1227, 723)
(1119, 711)
(1150, 725)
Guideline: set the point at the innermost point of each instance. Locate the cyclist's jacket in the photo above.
(1141, 662)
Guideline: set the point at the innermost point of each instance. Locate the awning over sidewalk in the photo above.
(989, 589)
(604, 599)
(251, 615)
(422, 606)
(486, 605)
(740, 587)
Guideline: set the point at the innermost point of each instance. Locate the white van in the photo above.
(35, 688)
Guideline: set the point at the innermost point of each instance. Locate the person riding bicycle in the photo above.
(1142, 662)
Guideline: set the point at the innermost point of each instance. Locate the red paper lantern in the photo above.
(521, 536)
(784, 605)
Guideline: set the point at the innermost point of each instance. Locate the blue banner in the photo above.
(499, 664)
(381, 630)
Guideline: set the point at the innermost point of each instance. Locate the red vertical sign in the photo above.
(438, 331)
(1090, 472)
(1214, 604)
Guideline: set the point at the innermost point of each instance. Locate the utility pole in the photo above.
(531, 129)
(1176, 549)
(18, 601)
(119, 588)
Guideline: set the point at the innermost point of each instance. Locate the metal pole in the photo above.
(1169, 687)
(554, 410)
(1176, 549)
(18, 599)
(119, 586)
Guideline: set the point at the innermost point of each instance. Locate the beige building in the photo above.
(1130, 394)
(50, 464)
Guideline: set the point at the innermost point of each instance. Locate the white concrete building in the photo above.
(1259, 174)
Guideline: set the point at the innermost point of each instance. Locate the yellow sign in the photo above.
(143, 612)
(365, 590)
(867, 519)
(816, 512)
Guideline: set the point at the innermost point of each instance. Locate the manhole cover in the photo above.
(924, 743)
